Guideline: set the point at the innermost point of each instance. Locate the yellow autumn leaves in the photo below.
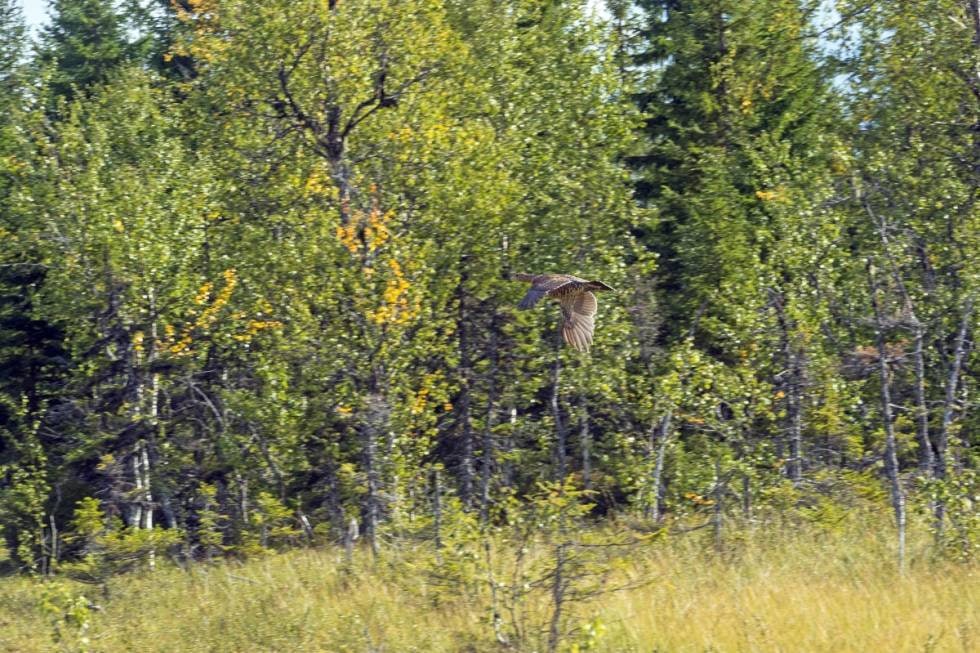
(774, 195)
(363, 236)
(178, 342)
(432, 390)
(365, 233)
(208, 316)
(395, 307)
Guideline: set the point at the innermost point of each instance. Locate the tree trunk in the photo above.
(498, 626)
(795, 418)
(134, 512)
(145, 415)
(243, 502)
(891, 455)
(147, 496)
(54, 553)
(560, 434)
(489, 449)
(558, 587)
(351, 534)
(585, 443)
(437, 510)
(375, 422)
(371, 500)
(746, 497)
(140, 514)
(466, 467)
(926, 457)
(949, 404)
(507, 446)
(792, 388)
(718, 513)
(656, 482)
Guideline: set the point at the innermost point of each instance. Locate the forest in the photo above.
(260, 336)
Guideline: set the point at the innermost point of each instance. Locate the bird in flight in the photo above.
(578, 304)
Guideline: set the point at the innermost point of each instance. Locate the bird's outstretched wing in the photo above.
(542, 285)
(533, 296)
(578, 325)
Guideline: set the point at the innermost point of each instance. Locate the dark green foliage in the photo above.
(83, 45)
(13, 43)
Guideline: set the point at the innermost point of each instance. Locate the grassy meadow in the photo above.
(805, 592)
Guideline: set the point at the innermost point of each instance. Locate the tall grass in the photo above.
(765, 592)
(810, 593)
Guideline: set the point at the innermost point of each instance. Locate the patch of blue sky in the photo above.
(35, 13)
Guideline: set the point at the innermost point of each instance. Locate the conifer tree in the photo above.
(738, 169)
(84, 42)
(12, 44)
(31, 356)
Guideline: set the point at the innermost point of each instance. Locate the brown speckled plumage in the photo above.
(574, 295)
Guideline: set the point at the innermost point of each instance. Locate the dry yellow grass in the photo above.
(791, 594)
(800, 596)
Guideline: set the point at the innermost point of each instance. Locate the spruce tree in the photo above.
(82, 45)
(13, 44)
(737, 168)
(31, 356)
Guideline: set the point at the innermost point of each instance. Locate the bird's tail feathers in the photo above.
(578, 338)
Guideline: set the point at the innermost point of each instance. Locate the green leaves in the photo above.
(107, 548)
